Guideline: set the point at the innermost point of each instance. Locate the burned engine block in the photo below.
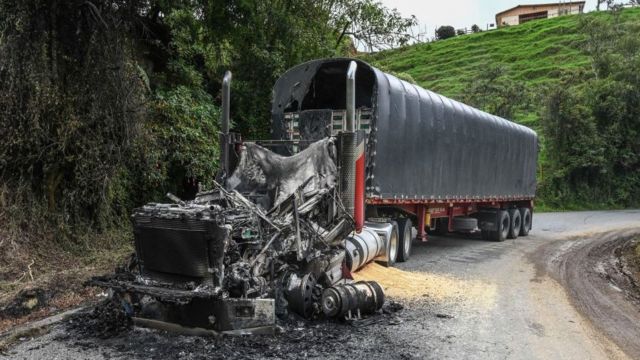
(271, 238)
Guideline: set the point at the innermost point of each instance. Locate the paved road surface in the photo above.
(538, 297)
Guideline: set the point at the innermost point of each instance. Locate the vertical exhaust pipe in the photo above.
(224, 124)
(352, 159)
(351, 97)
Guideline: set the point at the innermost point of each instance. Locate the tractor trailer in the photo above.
(359, 164)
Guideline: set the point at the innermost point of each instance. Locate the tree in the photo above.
(496, 93)
(475, 28)
(445, 32)
(368, 22)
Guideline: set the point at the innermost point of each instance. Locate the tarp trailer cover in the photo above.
(420, 146)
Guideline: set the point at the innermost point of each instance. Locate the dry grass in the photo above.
(32, 256)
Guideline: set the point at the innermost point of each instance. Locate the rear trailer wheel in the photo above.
(503, 226)
(405, 239)
(526, 217)
(515, 224)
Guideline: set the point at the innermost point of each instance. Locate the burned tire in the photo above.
(503, 223)
(526, 219)
(405, 239)
(515, 223)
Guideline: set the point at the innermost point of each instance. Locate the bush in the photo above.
(445, 32)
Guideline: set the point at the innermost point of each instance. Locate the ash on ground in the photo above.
(106, 326)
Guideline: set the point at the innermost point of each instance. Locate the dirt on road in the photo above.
(601, 279)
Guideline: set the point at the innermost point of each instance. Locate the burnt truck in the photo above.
(360, 164)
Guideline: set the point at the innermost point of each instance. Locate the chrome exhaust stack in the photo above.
(224, 125)
(348, 145)
(351, 97)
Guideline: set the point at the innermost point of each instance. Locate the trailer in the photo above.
(428, 160)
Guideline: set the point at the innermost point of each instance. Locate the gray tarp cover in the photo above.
(423, 145)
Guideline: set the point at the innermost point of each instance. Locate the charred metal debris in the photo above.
(269, 242)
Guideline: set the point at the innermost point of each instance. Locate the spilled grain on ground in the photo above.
(408, 285)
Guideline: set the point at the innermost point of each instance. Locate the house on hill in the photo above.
(523, 13)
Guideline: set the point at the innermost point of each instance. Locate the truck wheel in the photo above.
(503, 226)
(392, 246)
(525, 215)
(515, 224)
(404, 239)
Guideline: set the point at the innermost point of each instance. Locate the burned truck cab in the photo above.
(271, 238)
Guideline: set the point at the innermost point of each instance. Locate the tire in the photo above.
(503, 221)
(465, 224)
(405, 239)
(392, 246)
(515, 224)
(527, 217)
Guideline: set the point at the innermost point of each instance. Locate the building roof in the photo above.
(541, 4)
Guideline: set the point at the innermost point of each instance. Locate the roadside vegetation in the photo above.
(573, 79)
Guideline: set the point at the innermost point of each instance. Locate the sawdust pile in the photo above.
(408, 285)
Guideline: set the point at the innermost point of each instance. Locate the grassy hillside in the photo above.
(536, 53)
(559, 67)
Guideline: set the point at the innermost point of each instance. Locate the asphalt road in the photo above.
(539, 297)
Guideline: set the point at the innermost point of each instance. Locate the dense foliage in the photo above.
(107, 104)
(71, 103)
(592, 122)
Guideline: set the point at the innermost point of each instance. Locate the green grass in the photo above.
(536, 53)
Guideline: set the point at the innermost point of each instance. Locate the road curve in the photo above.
(538, 297)
(588, 268)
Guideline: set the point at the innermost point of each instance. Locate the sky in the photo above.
(459, 13)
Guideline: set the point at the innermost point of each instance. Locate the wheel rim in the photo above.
(516, 223)
(407, 240)
(393, 242)
(527, 221)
